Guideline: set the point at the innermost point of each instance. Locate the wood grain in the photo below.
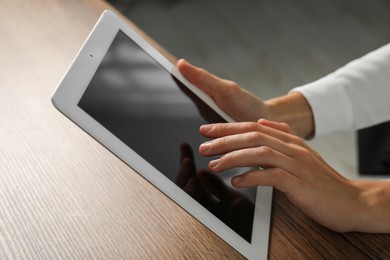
(296, 236)
(63, 196)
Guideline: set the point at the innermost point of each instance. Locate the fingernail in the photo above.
(236, 179)
(213, 164)
(183, 60)
(206, 128)
(205, 147)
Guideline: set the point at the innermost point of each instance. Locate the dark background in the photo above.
(270, 47)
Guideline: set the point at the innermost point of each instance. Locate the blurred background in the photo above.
(269, 47)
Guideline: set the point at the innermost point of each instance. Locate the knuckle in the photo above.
(204, 72)
(251, 126)
(230, 90)
(295, 140)
(229, 157)
(278, 175)
(302, 153)
(233, 158)
(223, 127)
(279, 179)
(255, 136)
(287, 128)
(232, 87)
(285, 125)
(220, 143)
(264, 150)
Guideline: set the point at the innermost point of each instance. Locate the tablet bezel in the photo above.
(69, 92)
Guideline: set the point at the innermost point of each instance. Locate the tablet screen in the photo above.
(149, 110)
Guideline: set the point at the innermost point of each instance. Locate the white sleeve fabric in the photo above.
(353, 97)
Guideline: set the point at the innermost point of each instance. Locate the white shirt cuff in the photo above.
(332, 109)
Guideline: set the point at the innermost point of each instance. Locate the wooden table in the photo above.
(63, 196)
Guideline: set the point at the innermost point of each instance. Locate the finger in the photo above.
(277, 125)
(230, 143)
(287, 129)
(186, 151)
(215, 187)
(254, 157)
(288, 134)
(187, 171)
(274, 177)
(225, 129)
(193, 188)
(201, 78)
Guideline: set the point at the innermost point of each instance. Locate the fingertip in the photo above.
(213, 165)
(205, 148)
(189, 71)
(180, 64)
(241, 182)
(236, 181)
(204, 129)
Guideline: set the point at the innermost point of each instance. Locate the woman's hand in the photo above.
(242, 105)
(290, 166)
(228, 95)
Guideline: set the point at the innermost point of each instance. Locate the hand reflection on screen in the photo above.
(209, 190)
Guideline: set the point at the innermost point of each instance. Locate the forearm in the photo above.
(372, 212)
(353, 97)
(294, 110)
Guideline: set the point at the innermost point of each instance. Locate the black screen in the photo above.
(153, 113)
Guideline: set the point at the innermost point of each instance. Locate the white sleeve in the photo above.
(353, 97)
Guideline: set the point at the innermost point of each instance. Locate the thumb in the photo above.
(201, 78)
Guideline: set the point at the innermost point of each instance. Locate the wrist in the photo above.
(294, 110)
(372, 210)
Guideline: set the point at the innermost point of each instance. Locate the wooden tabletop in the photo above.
(64, 196)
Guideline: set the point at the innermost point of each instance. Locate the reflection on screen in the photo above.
(148, 109)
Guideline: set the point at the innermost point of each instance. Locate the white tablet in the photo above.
(131, 99)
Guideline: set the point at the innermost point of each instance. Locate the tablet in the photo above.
(131, 99)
